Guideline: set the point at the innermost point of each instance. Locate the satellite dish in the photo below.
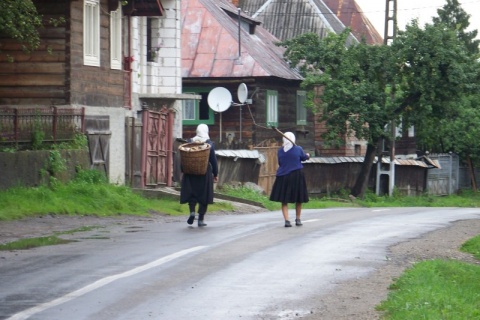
(219, 99)
(242, 93)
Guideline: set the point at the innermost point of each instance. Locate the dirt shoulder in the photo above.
(357, 299)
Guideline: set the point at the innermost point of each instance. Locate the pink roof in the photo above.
(210, 44)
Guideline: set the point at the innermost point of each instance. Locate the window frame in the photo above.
(271, 101)
(301, 109)
(116, 39)
(197, 120)
(91, 33)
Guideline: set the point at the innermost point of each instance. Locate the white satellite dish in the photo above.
(242, 93)
(219, 99)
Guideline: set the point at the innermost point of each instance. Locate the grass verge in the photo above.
(435, 289)
(87, 199)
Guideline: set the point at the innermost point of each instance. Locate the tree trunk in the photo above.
(362, 180)
(472, 174)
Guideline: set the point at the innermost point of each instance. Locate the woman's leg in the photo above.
(298, 213)
(191, 206)
(202, 210)
(285, 214)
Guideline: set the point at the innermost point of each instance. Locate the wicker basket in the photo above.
(194, 157)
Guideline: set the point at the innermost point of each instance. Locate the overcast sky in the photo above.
(424, 10)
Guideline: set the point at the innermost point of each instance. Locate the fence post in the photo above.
(450, 171)
(55, 119)
(83, 120)
(15, 125)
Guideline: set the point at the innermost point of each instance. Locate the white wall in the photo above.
(163, 76)
(116, 163)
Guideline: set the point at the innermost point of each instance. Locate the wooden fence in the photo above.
(18, 125)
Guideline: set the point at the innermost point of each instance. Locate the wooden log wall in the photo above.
(253, 119)
(54, 74)
(37, 77)
(93, 86)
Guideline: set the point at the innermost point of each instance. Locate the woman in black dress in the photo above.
(199, 188)
(290, 185)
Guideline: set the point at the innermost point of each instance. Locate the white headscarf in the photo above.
(287, 144)
(202, 133)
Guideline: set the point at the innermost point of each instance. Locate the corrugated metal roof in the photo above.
(210, 45)
(288, 19)
(337, 160)
(242, 154)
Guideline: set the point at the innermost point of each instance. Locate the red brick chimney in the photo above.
(235, 2)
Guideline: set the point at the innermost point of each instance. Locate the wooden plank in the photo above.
(36, 56)
(32, 80)
(34, 101)
(29, 67)
(33, 92)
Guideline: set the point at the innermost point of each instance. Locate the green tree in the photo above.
(365, 88)
(458, 131)
(356, 96)
(455, 18)
(20, 21)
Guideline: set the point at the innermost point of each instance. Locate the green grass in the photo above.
(465, 198)
(29, 243)
(87, 195)
(435, 289)
(472, 246)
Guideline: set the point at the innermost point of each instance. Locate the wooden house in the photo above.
(222, 47)
(119, 63)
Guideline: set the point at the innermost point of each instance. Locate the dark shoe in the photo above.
(298, 222)
(191, 218)
(201, 223)
(287, 224)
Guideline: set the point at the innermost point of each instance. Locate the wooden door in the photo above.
(268, 170)
(158, 145)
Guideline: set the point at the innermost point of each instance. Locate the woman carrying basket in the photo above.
(199, 188)
(290, 185)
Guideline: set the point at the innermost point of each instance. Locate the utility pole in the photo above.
(390, 21)
(388, 169)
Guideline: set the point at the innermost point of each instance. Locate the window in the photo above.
(189, 109)
(301, 110)
(150, 54)
(272, 108)
(91, 32)
(197, 111)
(358, 150)
(116, 39)
(411, 132)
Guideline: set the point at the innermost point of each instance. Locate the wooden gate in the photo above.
(157, 147)
(266, 177)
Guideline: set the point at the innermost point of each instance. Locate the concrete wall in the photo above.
(116, 150)
(25, 168)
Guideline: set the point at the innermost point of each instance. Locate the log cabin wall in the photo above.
(39, 77)
(93, 86)
(253, 118)
(54, 74)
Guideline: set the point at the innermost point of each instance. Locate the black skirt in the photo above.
(290, 188)
(197, 188)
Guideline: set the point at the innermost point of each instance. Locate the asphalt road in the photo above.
(238, 267)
